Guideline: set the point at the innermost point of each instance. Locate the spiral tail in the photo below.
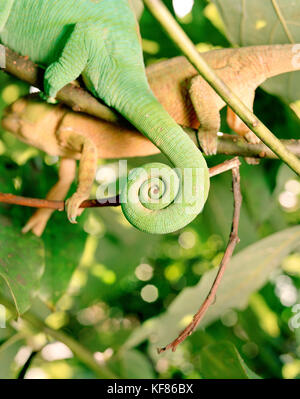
(160, 200)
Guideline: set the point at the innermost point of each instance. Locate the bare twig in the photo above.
(224, 167)
(114, 201)
(178, 36)
(233, 241)
(58, 205)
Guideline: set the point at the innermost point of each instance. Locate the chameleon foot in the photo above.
(52, 100)
(252, 161)
(208, 142)
(37, 222)
(72, 207)
(49, 100)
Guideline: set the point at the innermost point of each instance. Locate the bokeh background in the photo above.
(120, 293)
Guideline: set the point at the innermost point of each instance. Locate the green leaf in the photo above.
(223, 361)
(21, 264)
(255, 22)
(247, 272)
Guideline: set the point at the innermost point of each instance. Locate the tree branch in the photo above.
(178, 36)
(233, 241)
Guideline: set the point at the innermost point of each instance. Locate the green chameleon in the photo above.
(99, 39)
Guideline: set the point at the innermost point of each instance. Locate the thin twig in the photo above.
(178, 36)
(109, 202)
(58, 205)
(224, 167)
(233, 241)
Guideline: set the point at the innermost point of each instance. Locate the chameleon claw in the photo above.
(72, 207)
(208, 142)
(51, 100)
(72, 220)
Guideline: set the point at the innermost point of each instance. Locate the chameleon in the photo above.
(192, 102)
(100, 40)
(43, 126)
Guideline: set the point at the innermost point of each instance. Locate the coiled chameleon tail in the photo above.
(157, 198)
(154, 201)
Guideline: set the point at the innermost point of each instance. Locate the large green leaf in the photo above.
(223, 361)
(247, 272)
(21, 264)
(255, 22)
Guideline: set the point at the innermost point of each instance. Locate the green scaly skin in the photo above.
(99, 40)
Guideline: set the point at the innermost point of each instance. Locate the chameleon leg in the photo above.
(86, 175)
(70, 64)
(207, 105)
(237, 125)
(38, 221)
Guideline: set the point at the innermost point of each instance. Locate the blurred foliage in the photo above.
(105, 283)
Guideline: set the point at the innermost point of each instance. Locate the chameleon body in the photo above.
(55, 129)
(99, 39)
(192, 102)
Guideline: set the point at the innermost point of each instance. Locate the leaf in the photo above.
(21, 264)
(256, 22)
(223, 361)
(7, 173)
(247, 272)
(136, 365)
(64, 244)
(8, 351)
